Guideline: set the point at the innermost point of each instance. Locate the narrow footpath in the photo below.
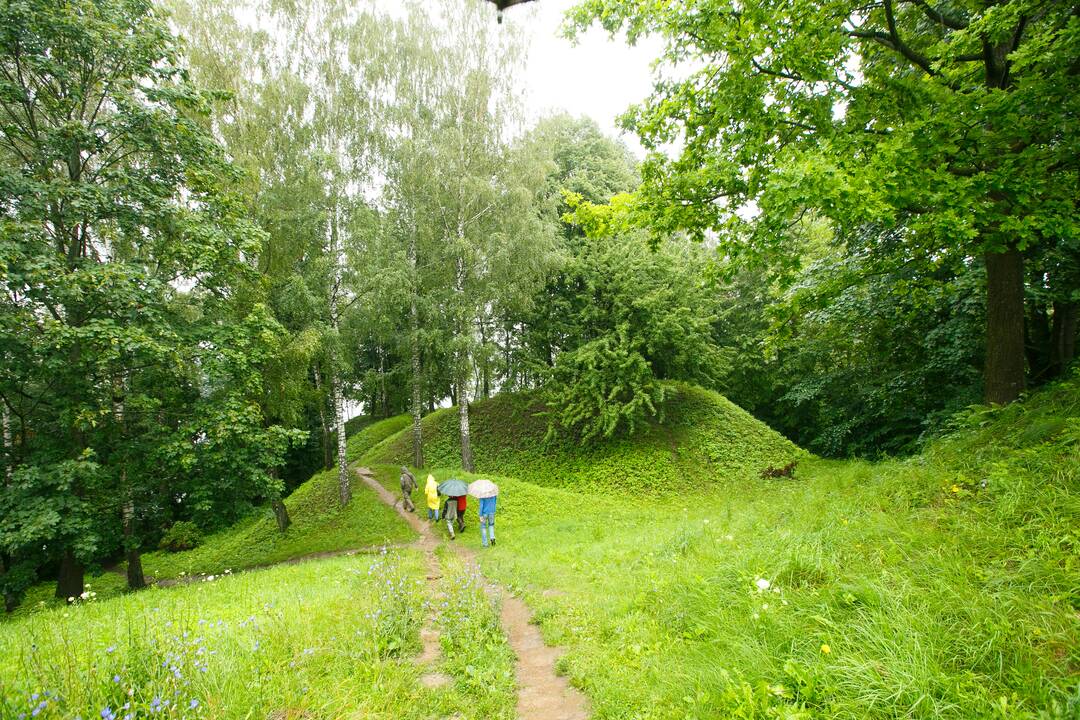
(542, 695)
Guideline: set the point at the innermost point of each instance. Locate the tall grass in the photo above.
(324, 640)
(943, 586)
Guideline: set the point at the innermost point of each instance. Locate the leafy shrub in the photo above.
(183, 535)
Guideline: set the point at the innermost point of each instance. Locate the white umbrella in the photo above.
(483, 489)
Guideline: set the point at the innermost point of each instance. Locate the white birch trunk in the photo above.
(414, 350)
(8, 454)
(344, 488)
(336, 390)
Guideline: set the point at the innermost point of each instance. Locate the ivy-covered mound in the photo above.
(701, 437)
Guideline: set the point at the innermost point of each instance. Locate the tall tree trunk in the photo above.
(414, 352)
(7, 452)
(344, 488)
(338, 392)
(485, 367)
(415, 404)
(1063, 335)
(328, 457)
(135, 578)
(384, 397)
(69, 581)
(463, 418)
(1038, 342)
(1004, 326)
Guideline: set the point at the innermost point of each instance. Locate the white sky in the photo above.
(598, 77)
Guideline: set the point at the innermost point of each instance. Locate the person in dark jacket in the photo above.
(408, 484)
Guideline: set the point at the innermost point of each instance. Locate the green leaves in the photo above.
(634, 316)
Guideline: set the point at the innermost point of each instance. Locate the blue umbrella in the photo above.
(453, 488)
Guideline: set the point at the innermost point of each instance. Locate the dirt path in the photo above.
(542, 695)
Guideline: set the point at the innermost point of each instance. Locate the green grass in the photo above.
(475, 652)
(371, 434)
(328, 639)
(703, 437)
(943, 586)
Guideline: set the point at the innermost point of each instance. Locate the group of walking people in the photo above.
(448, 500)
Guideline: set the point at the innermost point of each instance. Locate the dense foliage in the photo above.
(134, 337)
(927, 135)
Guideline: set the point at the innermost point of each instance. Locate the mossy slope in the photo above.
(939, 586)
(370, 434)
(702, 437)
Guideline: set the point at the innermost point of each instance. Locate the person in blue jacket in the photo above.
(487, 520)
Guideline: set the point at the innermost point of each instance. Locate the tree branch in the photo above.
(939, 17)
(901, 47)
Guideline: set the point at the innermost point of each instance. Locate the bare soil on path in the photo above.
(542, 695)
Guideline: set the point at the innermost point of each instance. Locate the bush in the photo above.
(181, 536)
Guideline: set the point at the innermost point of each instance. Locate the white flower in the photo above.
(764, 606)
(71, 599)
(762, 584)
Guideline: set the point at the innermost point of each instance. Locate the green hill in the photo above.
(945, 585)
(372, 433)
(702, 437)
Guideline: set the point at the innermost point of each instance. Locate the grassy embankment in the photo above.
(319, 525)
(946, 585)
(327, 639)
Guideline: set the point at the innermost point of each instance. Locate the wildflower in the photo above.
(116, 678)
(955, 488)
(107, 713)
(110, 650)
(193, 704)
(762, 584)
(825, 649)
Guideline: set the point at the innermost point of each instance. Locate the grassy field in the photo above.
(328, 639)
(942, 586)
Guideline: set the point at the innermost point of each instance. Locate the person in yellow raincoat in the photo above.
(431, 490)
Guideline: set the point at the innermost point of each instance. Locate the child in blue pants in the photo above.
(487, 520)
